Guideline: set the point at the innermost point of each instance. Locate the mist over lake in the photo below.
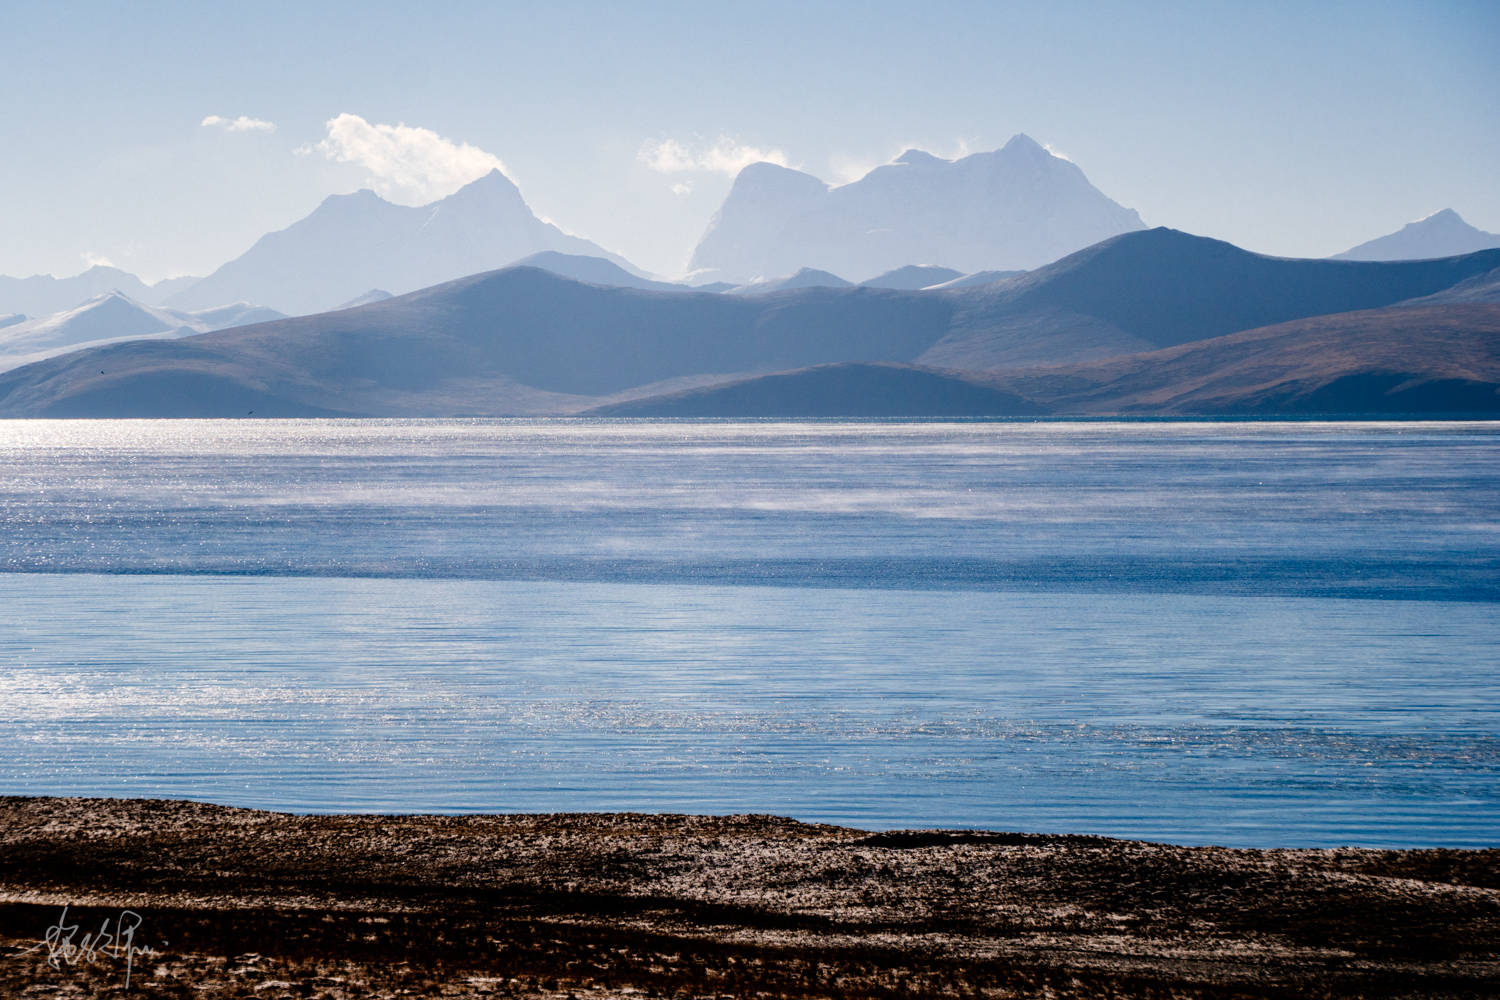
(1244, 633)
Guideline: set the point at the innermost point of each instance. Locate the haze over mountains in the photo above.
(1015, 208)
(355, 242)
(114, 316)
(943, 319)
(598, 271)
(1442, 234)
(1161, 287)
(526, 341)
(915, 276)
(917, 222)
(807, 277)
(42, 294)
(1400, 360)
(1480, 288)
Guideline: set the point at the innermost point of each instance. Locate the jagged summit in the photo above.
(355, 242)
(495, 178)
(1017, 207)
(918, 157)
(1023, 143)
(492, 186)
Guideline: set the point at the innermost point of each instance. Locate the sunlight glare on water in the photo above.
(1258, 634)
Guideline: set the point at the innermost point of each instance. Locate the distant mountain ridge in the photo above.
(1480, 288)
(355, 242)
(847, 389)
(523, 340)
(807, 277)
(1015, 208)
(1442, 234)
(1397, 360)
(1426, 361)
(373, 295)
(111, 317)
(596, 271)
(914, 276)
(1160, 287)
(42, 294)
(515, 341)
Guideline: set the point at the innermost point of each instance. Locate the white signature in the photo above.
(65, 946)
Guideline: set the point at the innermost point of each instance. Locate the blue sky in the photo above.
(1289, 128)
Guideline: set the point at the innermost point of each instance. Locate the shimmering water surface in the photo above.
(1251, 634)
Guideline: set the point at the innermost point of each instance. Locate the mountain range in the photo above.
(1398, 360)
(1419, 360)
(1017, 207)
(1160, 287)
(1038, 295)
(1012, 208)
(986, 210)
(523, 340)
(972, 221)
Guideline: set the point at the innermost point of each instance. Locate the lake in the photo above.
(1258, 634)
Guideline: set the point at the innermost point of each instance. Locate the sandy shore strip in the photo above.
(195, 900)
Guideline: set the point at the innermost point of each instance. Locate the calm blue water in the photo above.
(1255, 634)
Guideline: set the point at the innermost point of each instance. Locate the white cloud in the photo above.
(726, 156)
(1056, 152)
(91, 259)
(668, 157)
(682, 187)
(406, 164)
(240, 124)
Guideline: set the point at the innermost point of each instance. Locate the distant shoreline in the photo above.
(233, 902)
(575, 418)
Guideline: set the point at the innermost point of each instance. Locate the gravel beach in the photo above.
(201, 901)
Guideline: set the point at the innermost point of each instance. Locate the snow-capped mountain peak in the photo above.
(1013, 208)
(1441, 234)
(354, 242)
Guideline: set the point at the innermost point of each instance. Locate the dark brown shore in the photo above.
(254, 904)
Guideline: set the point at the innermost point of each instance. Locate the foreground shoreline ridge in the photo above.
(239, 902)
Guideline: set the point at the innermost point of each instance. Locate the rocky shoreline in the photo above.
(204, 901)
